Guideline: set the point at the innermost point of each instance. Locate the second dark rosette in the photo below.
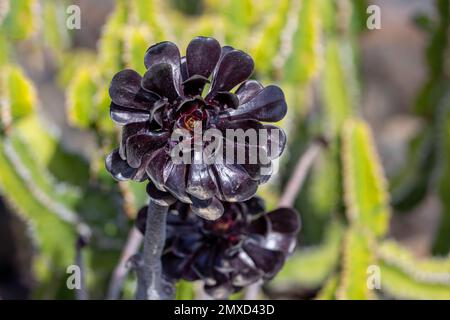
(244, 246)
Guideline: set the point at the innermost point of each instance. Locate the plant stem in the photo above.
(120, 273)
(301, 170)
(252, 291)
(150, 284)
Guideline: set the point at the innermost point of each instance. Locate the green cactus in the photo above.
(365, 188)
(357, 256)
(404, 276)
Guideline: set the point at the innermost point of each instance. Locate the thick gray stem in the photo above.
(151, 285)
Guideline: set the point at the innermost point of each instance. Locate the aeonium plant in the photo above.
(168, 100)
(208, 151)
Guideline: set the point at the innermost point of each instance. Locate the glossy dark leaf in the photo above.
(158, 108)
(227, 100)
(183, 69)
(235, 183)
(140, 144)
(223, 52)
(119, 168)
(124, 87)
(269, 261)
(276, 141)
(159, 79)
(155, 167)
(193, 86)
(202, 55)
(279, 242)
(244, 124)
(200, 182)
(174, 266)
(181, 221)
(168, 53)
(254, 206)
(259, 172)
(248, 90)
(160, 197)
(175, 180)
(220, 290)
(242, 273)
(162, 52)
(129, 130)
(284, 220)
(268, 105)
(203, 264)
(284, 225)
(259, 226)
(123, 115)
(211, 209)
(234, 67)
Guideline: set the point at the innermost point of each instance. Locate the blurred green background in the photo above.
(377, 195)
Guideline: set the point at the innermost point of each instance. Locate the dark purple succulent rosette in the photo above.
(242, 247)
(169, 97)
